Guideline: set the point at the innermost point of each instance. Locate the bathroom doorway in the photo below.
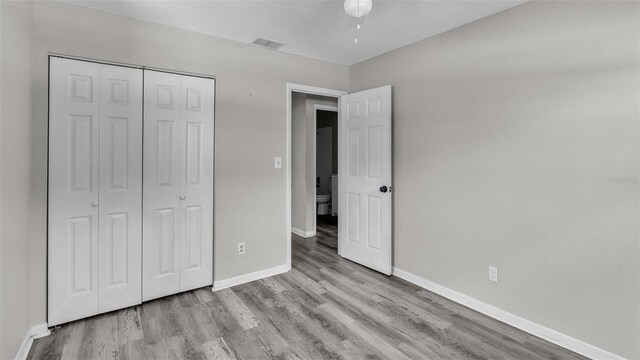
(326, 165)
(313, 154)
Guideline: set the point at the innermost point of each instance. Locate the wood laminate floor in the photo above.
(327, 231)
(324, 308)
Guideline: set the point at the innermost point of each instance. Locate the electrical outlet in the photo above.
(278, 162)
(493, 273)
(240, 248)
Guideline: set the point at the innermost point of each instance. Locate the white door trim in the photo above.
(307, 90)
(35, 332)
(134, 66)
(314, 147)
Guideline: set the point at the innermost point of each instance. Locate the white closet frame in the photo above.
(54, 319)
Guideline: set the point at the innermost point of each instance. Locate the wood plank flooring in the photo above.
(327, 231)
(324, 308)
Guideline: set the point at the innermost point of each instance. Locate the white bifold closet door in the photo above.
(95, 189)
(178, 183)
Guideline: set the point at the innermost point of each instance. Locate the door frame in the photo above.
(312, 90)
(51, 55)
(314, 147)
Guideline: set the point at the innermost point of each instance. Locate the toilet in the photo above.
(323, 202)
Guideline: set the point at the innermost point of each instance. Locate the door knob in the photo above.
(94, 204)
(182, 197)
(383, 189)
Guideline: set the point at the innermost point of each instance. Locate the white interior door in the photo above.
(365, 179)
(95, 194)
(120, 206)
(161, 169)
(196, 177)
(73, 190)
(178, 184)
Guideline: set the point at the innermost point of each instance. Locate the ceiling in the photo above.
(316, 29)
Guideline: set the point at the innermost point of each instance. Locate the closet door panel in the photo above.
(161, 188)
(120, 208)
(196, 176)
(73, 190)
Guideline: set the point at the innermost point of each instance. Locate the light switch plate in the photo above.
(278, 162)
(493, 273)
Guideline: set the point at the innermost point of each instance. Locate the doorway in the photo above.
(314, 127)
(308, 107)
(365, 157)
(326, 168)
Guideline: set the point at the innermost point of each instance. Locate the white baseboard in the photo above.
(257, 275)
(40, 330)
(35, 332)
(304, 234)
(538, 330)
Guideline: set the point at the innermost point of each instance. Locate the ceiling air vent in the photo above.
(274, 45)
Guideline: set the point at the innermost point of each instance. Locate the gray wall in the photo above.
(15, 177)
(513, 138)
(303, 181)
(250, 194)
(299, 161)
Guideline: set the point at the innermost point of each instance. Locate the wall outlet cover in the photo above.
(493, 273)
(240, 248)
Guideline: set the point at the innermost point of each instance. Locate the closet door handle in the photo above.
(94, 204)
(182, 197)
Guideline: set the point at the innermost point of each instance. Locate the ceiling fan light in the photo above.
(358, 8)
